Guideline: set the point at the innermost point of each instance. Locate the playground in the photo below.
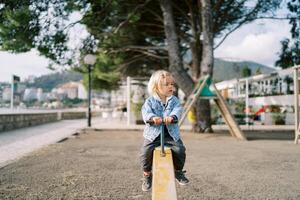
(105, 165)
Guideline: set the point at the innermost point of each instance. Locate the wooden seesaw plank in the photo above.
(163, 182)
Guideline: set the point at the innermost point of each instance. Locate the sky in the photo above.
(258, 42)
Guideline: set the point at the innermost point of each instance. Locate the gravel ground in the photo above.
(105, 165)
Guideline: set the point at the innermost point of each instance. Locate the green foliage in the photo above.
(290, 48)
(258, 71)
(16, 33)
(215, 113)
(289, 54)
(69, 103)
(240, 107)
(36, 24)
(278, 118)
(136, 109)
(127, 36)
(105, 74)
(246, 72)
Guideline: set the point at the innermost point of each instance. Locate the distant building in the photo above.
(264, 89)
(72, 90)
(30, 94)
(41, 96)
(118, 96)
(21, 88)
(30, 79)
(6, 94)
(58, 94)
(82, 93)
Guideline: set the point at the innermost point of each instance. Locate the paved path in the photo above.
(17, 143)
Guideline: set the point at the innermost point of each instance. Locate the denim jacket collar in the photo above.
(158, 98)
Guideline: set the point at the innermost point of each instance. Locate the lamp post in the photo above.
(89, 60)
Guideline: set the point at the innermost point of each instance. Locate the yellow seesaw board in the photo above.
(163, 182)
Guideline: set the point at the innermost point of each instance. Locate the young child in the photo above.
(162, 105)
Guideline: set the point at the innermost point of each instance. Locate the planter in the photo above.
(278, 118)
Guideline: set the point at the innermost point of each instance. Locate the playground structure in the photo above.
(277, 77)
(276, 81)
(205, 88)
(262, 91)
(296, 102)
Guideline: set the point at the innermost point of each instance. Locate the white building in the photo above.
(57, 93)
(6, 94)
(265, 89)
(72, 90)
(30, 94)
(41, 96)
(30, 79)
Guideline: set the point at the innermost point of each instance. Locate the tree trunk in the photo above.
(182, 78)
(195, 40)
(184, 81)
(203, 106)
(196, 51)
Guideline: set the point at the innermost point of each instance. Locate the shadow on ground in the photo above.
(262, 135)
(270, 135)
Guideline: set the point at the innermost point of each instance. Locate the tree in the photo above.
(290, 48)
(258, 71)
(129, 35)
(246, 72)
(175, 59)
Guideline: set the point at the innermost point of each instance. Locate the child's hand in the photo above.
(168, 120)
(157, 120)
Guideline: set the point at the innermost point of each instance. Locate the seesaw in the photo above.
(163, 178)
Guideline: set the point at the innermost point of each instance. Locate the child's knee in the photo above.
(178, 150)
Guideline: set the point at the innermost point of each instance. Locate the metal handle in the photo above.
(162, 135)
(162, 140)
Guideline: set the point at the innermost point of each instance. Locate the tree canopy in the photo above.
(290, 48)
(127, 36)
(132, 37)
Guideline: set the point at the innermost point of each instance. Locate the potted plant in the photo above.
(136, 109)
(278, 118)
(137, 101)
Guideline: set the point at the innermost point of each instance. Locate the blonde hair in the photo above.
(155, 79)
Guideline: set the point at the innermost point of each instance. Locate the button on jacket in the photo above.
(153, 107)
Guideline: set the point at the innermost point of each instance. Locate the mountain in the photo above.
(50, 81)
(223, 70)
(226, 70)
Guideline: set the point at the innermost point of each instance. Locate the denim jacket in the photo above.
(153, 107)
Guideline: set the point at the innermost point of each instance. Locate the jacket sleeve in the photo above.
(177, 109)
(147, 111)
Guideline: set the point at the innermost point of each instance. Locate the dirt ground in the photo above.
(105, 165)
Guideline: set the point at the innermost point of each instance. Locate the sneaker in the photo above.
(180, 177)
(147, 183)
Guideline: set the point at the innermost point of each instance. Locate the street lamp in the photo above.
(89, 60)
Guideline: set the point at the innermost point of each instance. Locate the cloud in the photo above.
(23, 65)
(259, 42)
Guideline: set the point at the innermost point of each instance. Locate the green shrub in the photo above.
(278, 118)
